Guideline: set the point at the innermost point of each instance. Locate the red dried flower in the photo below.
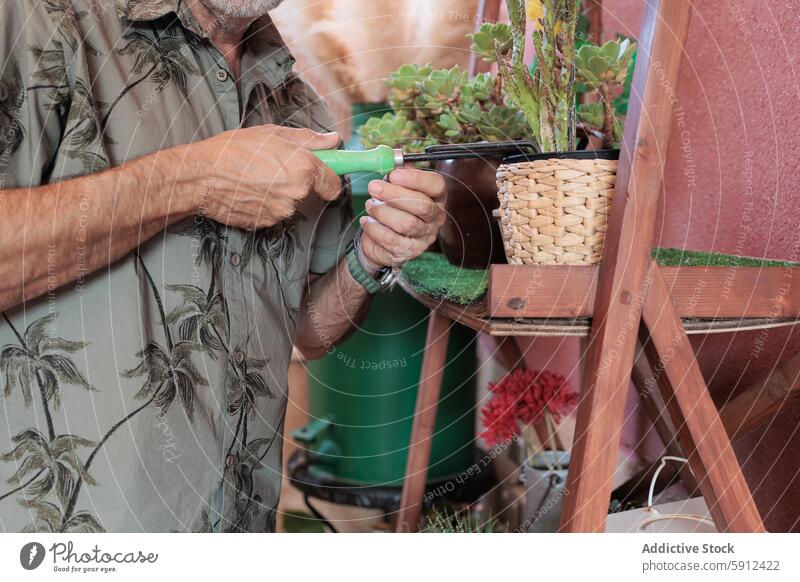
(521, 398)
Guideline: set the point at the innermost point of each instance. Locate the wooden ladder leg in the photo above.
(701, 432)
(419, 448)
(598, 427)
(626, 254)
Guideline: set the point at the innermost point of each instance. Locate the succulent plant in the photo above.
(439, 89)
(523, 101)
(592, 116)
(395, 130)
(403, 90)
(481, 87)
(546, 95)
(503, 123)
(444, 106)
(602, 68)
(492, 38)
(605, 65)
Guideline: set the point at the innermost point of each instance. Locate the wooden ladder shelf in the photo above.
(631, 301)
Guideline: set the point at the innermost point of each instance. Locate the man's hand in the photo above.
(402, 220)
(256, 177)
(403, 217)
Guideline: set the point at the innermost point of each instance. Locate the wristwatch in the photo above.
(382, 280)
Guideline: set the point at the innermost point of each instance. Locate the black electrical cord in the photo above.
(318, 515)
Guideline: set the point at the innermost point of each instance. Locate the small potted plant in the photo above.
(531, 404)
(446, 106)
(465, 520)
(554, 206)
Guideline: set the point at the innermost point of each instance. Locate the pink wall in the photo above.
(732, 186)
(735, 189)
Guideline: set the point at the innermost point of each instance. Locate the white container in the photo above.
(679, 517)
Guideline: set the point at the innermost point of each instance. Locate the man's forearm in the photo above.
(54, 234)
(335, 304)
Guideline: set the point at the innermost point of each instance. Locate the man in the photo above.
(167, 234)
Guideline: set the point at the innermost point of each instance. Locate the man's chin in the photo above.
(242, 8)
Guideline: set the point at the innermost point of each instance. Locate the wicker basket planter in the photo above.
(554, 207)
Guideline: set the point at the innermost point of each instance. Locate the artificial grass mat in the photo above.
(431, 274)
(667, 257)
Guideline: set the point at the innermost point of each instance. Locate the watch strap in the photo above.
(357, 270)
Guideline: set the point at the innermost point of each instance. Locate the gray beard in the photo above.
(242, 8)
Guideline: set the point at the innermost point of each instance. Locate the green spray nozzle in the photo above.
(381, 160)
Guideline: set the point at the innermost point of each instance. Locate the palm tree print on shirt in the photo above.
(158, 57)
(169, 373)
(41, 360)
(48, 468)
(203, 318)
(66, 18)
(12, 97)
(211, 242)
(50, 473)
(51, 75)
(82, 137)
(53, 463)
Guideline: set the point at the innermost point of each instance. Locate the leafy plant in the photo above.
(545, 90)
(443, 106)
(492, 39)
(595, 119)
(395, 130)
(605, 65)
(536, 99)
(403, 90)
(602, 69)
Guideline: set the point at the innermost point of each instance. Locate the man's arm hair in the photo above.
(54, 234)
(334, 305)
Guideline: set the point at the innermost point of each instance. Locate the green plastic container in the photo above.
(361, 397)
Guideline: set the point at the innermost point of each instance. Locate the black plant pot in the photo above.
(471, 236)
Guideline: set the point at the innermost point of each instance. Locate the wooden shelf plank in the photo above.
(698, 292)
(475, 316)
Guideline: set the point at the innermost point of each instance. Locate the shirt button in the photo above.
(236, 259)
(238, 356)
(230, 460)
(222, 75)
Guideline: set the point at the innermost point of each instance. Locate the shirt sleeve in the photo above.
(34, 93)
(335, 226)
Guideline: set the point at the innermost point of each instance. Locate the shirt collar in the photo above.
(144, 10)
(266, 53)
(265, 50)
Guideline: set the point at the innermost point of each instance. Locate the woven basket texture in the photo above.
(555, 211)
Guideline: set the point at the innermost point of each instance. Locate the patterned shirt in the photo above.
(150, 395)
